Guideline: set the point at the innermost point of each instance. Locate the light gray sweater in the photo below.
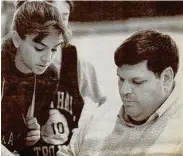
(107, 134)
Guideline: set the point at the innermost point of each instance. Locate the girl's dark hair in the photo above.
(38, 17)
(158, 49)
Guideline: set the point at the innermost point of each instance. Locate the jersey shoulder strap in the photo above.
(68, 70)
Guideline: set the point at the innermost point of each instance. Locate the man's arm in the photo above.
(75, 145)
(71, 149)
(90, 90)
(88, 82)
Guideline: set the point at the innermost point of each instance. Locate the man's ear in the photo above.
(167, 78)
(16, 39)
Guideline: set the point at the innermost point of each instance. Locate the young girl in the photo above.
(52, 121)
(29, 77)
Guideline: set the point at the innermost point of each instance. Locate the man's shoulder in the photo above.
(85, 65)
(7, 48)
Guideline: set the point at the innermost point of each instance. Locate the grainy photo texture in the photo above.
(95, 78)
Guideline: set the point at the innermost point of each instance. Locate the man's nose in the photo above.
(47, 57)
(125, 88)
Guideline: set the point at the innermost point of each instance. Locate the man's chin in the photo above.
(135, 116)
(138, 117)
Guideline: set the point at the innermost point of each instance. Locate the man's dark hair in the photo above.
(158, 49)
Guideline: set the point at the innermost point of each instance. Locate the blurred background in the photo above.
(99, 27)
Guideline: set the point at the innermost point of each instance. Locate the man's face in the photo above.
(140, 90)
(64, 10)
(37, 56)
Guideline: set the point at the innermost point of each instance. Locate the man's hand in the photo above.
(34, 131)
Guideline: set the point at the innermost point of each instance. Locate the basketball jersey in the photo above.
(65, 108)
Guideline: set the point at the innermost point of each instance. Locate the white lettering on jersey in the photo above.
(45, 150)
(10, 141)
(65, 105)
(3, 140)
(37, 150)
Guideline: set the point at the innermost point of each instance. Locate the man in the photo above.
(149, 122)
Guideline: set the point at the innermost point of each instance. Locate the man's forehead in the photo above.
(138, 66)
(137, 70)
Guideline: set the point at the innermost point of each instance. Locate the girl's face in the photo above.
(36, 57)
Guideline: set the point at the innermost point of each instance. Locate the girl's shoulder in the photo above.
(52, 72)
(6, 42)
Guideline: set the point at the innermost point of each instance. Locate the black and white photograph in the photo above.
(91, 78)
